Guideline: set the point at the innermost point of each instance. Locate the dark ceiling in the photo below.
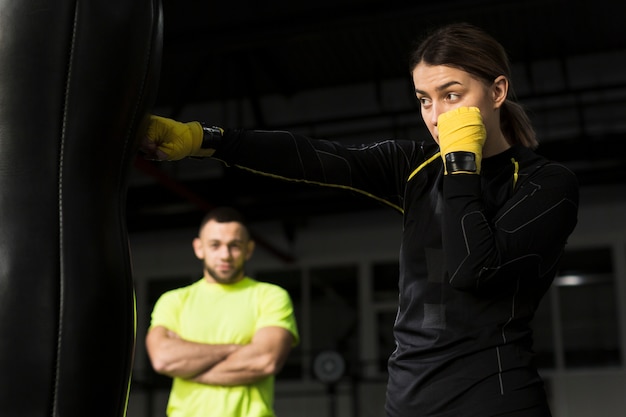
(569, 60)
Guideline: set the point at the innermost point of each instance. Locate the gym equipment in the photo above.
(76, 82)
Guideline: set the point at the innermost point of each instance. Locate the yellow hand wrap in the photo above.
(175, 139)
(461, 134)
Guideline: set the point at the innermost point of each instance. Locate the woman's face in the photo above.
(441, 88)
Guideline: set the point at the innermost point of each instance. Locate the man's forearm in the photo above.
(170, 355)
(194, 358)
(263, 357)
(240, 368)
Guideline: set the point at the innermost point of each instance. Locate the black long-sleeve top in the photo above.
(478, 253)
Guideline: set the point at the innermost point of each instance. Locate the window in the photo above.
(335, 311)
(576, 324)
(385, 283)
(588, 309)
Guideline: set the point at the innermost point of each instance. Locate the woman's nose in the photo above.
(434, 114)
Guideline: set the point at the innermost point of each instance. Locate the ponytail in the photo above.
(516, 125)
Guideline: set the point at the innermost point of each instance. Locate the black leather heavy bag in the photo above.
(76, 81)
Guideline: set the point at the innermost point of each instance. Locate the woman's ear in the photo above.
(499, 90)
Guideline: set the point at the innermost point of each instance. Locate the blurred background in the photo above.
(339, 70)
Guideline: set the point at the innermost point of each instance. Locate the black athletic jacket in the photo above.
(478, 253)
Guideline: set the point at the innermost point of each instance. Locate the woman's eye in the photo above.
(453, 96)
(424, 101)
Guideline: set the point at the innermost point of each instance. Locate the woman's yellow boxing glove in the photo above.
(462, 135)
(175, 140)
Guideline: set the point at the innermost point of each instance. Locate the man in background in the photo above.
(223, 338)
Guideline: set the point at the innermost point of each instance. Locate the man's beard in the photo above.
(231, 278)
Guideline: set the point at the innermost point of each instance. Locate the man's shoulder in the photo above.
(265, 287)
(262, 284)
(183, 291)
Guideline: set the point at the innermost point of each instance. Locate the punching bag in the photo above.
(76, 81)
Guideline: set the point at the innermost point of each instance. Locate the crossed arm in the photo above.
(219, 364)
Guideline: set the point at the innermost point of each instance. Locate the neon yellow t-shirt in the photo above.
(215, 313)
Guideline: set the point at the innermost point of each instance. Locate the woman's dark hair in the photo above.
(472, 50)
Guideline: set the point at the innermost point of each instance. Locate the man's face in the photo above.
(224, 248)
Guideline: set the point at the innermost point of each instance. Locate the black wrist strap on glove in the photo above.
(460, 161)
(211, 137)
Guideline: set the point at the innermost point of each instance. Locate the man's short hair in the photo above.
(224, 215)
